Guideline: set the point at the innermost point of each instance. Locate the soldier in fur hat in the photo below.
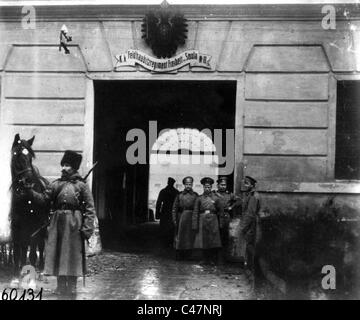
(72, 221)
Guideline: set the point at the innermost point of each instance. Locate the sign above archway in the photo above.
(190, 57)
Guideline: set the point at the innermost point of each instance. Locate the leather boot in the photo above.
(71, 285)
(61, 285)
(205, 257)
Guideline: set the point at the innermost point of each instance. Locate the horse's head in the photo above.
(21, 157)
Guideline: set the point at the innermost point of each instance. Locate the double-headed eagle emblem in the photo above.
(164, 32)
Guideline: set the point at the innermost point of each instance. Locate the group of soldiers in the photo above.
(197, 221)
(190, 221)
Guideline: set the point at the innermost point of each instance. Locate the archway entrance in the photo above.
(122, 189)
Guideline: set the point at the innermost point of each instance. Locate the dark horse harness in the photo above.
(20, 180)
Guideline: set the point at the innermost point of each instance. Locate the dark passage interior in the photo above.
(120, 188)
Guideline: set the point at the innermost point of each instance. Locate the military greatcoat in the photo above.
(164, 205)
(228, 201)
(182, 218)
(248, 223)
(250, 211)
(73, 217)
(207, 221)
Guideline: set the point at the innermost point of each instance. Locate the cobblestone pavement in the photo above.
(127, 276)
(137, 265)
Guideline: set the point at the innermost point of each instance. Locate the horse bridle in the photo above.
(18, 174)
(23, 171)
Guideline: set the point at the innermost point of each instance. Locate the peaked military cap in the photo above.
(252, 180)
(188, 178)
(207, 180)
(221, 179)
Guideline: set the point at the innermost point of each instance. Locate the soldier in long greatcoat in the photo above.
(229, 202)
(164, 205)
(207, 222)
(249, 220)
(182, 218)
(72, 221)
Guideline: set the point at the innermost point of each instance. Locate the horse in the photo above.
(26, 216)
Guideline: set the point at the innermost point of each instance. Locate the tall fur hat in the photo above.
(72, 158)
(171, 180)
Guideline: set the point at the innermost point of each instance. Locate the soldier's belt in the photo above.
(67, 207)
(211, 212)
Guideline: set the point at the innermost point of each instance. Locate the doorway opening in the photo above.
(123, 191)
(178, 153)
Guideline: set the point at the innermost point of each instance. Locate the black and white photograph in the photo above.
(178, 151)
